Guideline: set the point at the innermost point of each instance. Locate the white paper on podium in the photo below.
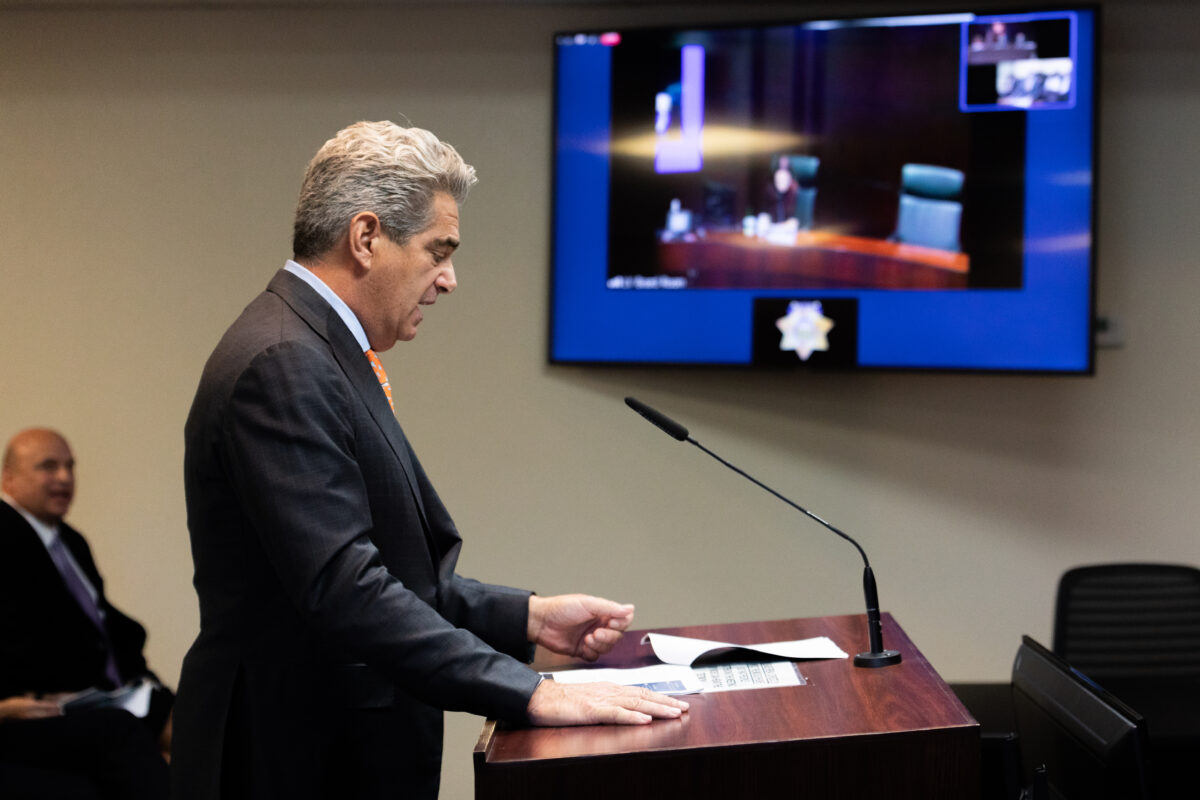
(683, 650)
(661, 678)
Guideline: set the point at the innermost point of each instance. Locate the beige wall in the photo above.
(150, 160)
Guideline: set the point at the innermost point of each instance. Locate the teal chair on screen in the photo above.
(930, 207)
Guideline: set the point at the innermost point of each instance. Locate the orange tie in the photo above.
(381, 374)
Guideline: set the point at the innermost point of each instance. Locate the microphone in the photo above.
(876, 656)
(659, 420)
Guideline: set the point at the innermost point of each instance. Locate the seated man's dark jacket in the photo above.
(47, 642)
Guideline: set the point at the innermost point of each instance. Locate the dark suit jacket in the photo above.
(47, 642)
(333, 627)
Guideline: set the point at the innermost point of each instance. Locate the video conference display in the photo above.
(886, 193)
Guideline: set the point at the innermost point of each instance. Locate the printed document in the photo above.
(765, 675)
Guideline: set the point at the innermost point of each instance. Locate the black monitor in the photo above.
(1092, 746)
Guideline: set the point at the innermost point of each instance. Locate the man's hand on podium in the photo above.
(588, 627)
(555, 704)
(577, 624)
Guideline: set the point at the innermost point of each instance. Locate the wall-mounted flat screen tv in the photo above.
(908, 192)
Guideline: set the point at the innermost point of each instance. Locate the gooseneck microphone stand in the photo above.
(876, 656)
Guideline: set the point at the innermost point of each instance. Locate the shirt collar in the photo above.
(330, 296)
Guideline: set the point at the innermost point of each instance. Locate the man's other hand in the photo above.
(555, 704)
(577, 624)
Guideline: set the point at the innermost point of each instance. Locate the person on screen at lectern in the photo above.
(334, 629)
(59, 634)
(784, 189)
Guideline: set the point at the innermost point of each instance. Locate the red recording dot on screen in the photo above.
(610, 39)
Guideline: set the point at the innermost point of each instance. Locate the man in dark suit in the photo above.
(334, 628)
(59, 634)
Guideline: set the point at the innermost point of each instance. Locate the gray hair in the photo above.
(380, 167)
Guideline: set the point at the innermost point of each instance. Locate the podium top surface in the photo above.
(839, 700)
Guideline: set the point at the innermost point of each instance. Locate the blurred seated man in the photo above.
(58, 632)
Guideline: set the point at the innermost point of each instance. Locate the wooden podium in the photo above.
(894, 732)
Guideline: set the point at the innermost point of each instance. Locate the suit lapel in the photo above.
(41, 575)
(25, 540)
(326, 323)
(362, 377)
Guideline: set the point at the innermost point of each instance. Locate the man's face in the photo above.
(41, 475)
(405, 277)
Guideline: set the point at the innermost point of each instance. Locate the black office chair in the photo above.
(1130, 622)
(1135, 628)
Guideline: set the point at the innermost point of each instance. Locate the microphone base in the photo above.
(884, 658)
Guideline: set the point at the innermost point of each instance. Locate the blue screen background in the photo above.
(1043, 326)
